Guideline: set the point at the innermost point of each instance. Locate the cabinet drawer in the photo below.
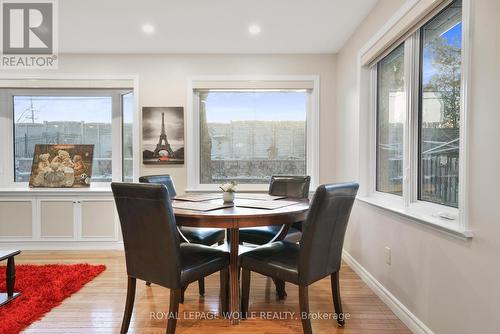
(57, 218)
(16, 219)
(98, 219)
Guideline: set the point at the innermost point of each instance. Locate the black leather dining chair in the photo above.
(280, 185)
(203, 236)
(318, 255)
(153, 251)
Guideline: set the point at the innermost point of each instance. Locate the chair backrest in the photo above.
(166, 180)
(149, 233)
(291, 186)
(324, 231)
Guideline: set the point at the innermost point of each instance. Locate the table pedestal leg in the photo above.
(234, 295)
(10, 277)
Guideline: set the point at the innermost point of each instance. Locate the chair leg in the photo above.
(201, 286)
(304, 309)
(334, 279)
(129, 305)
(173, 312)
(183, 289)
(224, 290)
(280, 288)
(245, 292)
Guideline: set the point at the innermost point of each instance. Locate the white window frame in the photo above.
(193, 123)
(7, 124)
(430, 214)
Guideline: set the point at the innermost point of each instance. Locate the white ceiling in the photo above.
(208, 26)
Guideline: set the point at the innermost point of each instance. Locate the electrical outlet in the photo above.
(387, 255)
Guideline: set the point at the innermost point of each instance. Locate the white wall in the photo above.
(163, 81)
(449, 284)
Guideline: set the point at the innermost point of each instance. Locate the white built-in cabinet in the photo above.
(58, 220)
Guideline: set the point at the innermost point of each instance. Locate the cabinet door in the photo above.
(16, 219)
(98, 218)
(57, 218)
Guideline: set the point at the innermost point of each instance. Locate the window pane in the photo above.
(440, 107)
(127, 148)
(391, 111)
(247, 136)
(62, 120)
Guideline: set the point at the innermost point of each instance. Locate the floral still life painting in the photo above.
(61, 166)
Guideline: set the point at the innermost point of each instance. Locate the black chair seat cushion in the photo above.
(262, 235)
(198, 261)
(278, 260)
(203, 236)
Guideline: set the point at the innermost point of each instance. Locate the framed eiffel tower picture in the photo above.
(162, 135)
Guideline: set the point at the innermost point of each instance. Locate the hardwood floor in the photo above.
(98, 307)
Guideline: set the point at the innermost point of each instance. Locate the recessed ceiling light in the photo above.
(254, 29)
(148, 28)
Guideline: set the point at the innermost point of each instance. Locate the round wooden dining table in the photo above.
(235, 217)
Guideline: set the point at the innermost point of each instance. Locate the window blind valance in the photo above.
(66, 83)
(253, 84)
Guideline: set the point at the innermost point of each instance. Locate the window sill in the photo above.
(436, 223)
(25, 191)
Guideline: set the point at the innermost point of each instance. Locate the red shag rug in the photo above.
(42, 287)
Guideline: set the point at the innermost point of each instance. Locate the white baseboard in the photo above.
(402, 312)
